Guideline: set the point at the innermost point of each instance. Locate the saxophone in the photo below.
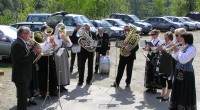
(86, 41)
(130, 42)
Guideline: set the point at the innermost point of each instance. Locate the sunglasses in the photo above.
(176, 35)
(126, 29)
(152, 34)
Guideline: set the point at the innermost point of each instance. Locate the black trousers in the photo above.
(34, 84)
(83, 57)
(73, 57)
(22, 95)
(128, 63)
(164, 79)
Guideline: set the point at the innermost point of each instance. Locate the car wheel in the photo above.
(172, 28)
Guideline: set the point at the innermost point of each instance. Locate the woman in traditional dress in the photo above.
(47, 66)
(166, 67)
(61, 56)
(183, 95)
(150, 75)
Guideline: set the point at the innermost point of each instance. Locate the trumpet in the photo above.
(48, 31)
(61, 29)
(169, 50)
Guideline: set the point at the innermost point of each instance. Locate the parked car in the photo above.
(34, 26)
(188, 25)
(194, 16)
(163, 23)
(69, 20)
(127, 18)
(38, 17)
(120, 23)
(190, 20)
(112, 31)
(7, 35)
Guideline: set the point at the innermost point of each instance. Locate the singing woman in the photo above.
(183, 95)
(150, 78)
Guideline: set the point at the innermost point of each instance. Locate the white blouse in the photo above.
(183, 58)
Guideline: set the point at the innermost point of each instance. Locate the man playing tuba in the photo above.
(128, 59)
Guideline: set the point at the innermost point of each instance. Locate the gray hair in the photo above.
(100, 28)
(22, 30)
(180, 31)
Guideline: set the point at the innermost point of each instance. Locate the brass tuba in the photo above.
(130, 42)
(86, 41)
(37, 39)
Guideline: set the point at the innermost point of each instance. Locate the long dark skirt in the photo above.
(42, 74)
(183, 95)
(152, 80)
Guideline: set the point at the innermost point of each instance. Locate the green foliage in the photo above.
(16, 10)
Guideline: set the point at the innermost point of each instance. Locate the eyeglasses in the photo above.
(176, 35)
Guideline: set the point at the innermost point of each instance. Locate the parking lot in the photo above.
(100, 96)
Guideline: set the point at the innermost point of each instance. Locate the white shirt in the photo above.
(183, 58)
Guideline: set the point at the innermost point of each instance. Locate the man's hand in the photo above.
(37, 50)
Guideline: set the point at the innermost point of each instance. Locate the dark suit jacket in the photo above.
(22, 59)
(104, 42)
(74, 38)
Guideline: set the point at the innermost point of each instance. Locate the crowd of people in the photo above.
(168, 65)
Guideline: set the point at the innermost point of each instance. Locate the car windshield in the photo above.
(182, 20)
(54, 19)
(82, 20)
(120, 22)
(187, 19)
(10, 31)
(135, 18)
(107, 23)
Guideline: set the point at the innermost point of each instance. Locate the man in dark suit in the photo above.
(74, 40)
(84, 55)
(127, 61)
(22, 58)
(104, 42)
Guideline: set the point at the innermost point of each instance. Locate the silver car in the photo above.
(7, 35)
(188, 25)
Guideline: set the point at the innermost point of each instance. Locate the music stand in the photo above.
(59, 54)
(47, 95)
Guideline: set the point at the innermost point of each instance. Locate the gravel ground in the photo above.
(8, 90)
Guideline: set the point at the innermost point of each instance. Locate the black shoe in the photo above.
(89, 83)
(127, 85)
(28, 104)
(163, 99)
(71, 70)
(149, 90)
(159, 97)
(32, 102)
(80, 84)
(95, 72)
(154, 91)
(114, 85)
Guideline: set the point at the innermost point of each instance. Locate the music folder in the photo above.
(60, 52)
(149, 43)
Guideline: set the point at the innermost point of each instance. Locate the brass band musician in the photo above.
(47, 64)
(61, 56)
(127, 61)
(104, 42)
(150, 77)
